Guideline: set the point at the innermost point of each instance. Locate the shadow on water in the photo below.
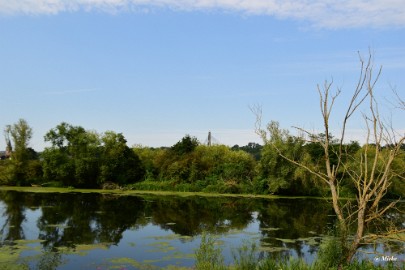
(100, 231)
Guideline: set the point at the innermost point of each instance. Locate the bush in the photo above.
(330, 253)
(209, 257)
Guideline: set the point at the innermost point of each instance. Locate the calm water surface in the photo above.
(105, 231)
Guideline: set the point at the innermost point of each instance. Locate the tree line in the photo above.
(81, 158)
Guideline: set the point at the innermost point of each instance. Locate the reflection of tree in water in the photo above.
(282, 221)
(65, 220)
(48, 261)
(73, 219)
(117, 214)
(192, 215)
(14, 214)
(16, 204)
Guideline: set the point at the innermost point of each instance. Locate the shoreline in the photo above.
(153, 192)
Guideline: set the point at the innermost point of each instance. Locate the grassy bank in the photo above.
(128, 192)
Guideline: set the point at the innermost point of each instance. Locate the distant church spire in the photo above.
(9, 148)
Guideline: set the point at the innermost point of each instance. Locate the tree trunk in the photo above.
(359, 233)
(335, 201)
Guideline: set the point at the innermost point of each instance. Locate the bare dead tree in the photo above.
(400, 101)
(372, 174)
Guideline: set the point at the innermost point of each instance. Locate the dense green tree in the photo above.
(120, 164)
(73, 158)
(397, 188)
(175, 163)
(220, 162)
(58, 166)
(278, 174)
(83, 158)
(186, 145)
(252, 148)
(215, 168)
(150, 158)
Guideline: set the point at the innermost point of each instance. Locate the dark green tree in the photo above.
(186, 145)
(83, 158)
(149, 157)
(119, 163)
(73, 158)
(252, 148)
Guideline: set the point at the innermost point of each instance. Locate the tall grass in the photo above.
(245, 257)
(208, 256)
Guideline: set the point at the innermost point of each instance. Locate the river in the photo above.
(109, 231)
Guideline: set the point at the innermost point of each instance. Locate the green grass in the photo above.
(124, 192)
(245, 257)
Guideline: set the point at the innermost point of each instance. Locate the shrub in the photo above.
(209, 257)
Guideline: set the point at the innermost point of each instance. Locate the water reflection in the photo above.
(148, 228)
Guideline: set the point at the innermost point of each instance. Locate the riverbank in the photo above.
(123, 192)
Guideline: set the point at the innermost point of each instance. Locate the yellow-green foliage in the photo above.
(361, 164)
(398, 181)
(207, 165)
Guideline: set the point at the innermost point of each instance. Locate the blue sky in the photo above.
(156, 70)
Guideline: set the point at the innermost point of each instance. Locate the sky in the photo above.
(156, 70)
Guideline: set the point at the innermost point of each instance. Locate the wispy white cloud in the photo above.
(318, 13)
